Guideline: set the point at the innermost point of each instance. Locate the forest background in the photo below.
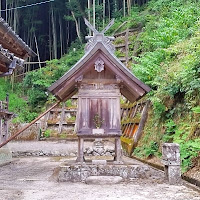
(55, 25)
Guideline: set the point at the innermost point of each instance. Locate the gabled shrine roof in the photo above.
(99, 46)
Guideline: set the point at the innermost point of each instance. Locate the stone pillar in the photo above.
(171, 161)
(118, 152)
(80, 157)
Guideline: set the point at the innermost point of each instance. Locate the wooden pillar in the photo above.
(118, 153)
(62, 116)
(80, 157)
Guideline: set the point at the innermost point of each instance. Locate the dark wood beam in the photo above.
(13, 48)
(103, 81)
(3, 68)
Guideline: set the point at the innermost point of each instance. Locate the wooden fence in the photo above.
(133, 118)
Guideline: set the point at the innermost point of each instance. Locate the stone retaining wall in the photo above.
(30, 134)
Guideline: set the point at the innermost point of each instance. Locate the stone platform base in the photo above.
(5, 156)
(75, 172)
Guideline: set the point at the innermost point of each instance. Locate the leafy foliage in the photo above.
(168, 61)
(37, 82)
(17, 103)
(196, 109)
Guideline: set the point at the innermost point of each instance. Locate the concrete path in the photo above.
(33, 178)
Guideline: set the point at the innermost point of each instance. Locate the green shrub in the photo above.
(147, 150)
(37, 82)
(47, 133)
(17, 103)
(196, 109)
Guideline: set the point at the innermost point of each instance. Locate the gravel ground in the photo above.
(33, 178)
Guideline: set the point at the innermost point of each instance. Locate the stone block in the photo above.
(171, 154)
(99, 162)
(5, 156)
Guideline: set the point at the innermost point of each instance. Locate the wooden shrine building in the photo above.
(99, 79)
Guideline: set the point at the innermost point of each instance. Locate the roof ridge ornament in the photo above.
(99, 37)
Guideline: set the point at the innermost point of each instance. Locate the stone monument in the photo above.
(171, 161)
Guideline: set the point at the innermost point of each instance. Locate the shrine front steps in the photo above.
(103, 180)
(89, 173)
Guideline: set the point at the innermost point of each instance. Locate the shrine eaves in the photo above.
(99, 68)
(13, 50)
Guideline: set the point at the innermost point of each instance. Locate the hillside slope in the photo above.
(168, 60)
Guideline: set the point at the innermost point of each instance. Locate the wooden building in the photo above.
(99, 78)
(13, 50)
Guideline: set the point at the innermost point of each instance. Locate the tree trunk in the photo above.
(89, 15)
(124, 7)
(104, 12)
(77, 26)
(38, 53)
(61, 36)
(109, 11)
(50, 38)
(15, 25)
(94, 13)
(129, 6)
(54, 34)
(0, 8)
(68, 34)
(115, 9)
(6, 18)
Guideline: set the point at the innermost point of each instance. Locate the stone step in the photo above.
(103, 180)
